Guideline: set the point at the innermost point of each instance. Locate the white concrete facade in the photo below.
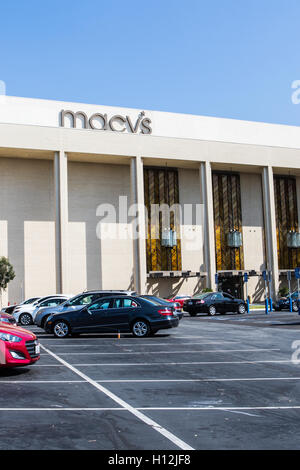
(53, 179)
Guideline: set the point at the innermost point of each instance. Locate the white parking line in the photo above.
(218, 408)
(155, 426)
(169, 363)
(237, 379)
(247, 379)
(42, 381)
(124, 353)
(62, 409)
(120, 344)
(123, 338)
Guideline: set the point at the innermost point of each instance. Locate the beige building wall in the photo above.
(253, 230)
(27, 215)
(98, 263)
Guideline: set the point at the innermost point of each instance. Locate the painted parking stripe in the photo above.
(220, 408)
(42, 381)
(247, 379)
(124, 353)
(155, 426)
(62, 409)
(120, 344)
(243, 379)
(168, 363)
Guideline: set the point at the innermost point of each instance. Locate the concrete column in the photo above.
(270, 227)
(208, 223)
(139, 237)
(61, 220)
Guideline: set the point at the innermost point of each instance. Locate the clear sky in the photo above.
(226, 58)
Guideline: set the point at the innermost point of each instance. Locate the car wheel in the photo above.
(212, 310)
(295, 307)
(241, 309)
(140, 329)
(61, 329)
(25, 319)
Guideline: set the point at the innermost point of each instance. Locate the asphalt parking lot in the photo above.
(225, 382)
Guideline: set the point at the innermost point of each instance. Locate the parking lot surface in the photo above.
(224, 382)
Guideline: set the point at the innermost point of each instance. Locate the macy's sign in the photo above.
(98, 121)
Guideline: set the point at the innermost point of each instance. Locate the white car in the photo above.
(25, 314)
(11, 308)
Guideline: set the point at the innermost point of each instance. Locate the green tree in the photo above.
(7, 274)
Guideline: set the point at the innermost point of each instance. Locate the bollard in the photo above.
(291, 304)
(267, 306)
(248, 306)
(271, 304)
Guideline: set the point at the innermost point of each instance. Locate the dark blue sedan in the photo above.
(142, 317)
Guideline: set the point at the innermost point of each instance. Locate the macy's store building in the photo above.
(70, 172)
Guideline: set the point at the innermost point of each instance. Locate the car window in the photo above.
(202, 296)
(118, 303)
(82, 300)
(217, 297)
(156, 300)
(51, 302)
(129, 303)
(227, 296)
(100, 305)
(30, 301)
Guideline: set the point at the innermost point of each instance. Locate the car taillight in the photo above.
(165, 311)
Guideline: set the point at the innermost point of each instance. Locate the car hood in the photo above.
(59, 309)
(69, 309)
(17, 330)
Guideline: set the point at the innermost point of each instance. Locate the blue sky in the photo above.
(227, 58)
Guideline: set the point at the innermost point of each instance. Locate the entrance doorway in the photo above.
(232, 285)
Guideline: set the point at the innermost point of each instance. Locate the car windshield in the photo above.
(155, 300)
(201, 296)
(85, 299)
(30, 301)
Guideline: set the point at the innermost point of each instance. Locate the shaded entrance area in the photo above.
(232, 284)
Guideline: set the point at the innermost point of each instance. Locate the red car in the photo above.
(18, 347)
(179, 299)
(7, 318)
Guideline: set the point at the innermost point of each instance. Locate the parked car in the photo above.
(10, 308)
(7, 318)
(179, 299)
(76, 303)
(283, 303)
(176, 305)
(214, 302)
(24, 313)
(18, 347)
(140, 316)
